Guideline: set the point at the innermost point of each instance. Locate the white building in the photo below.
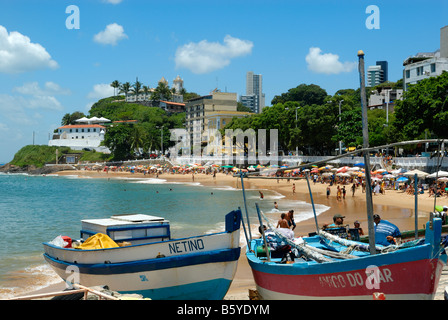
(88, 134)
(427, 64)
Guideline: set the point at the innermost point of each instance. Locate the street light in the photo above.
(297, 148)
(340, 142)
(161, 137)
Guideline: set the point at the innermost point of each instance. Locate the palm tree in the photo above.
(162, 92)
(136, 89)
(136, 139)
(146, 91)
(125, 88)
(115, 84)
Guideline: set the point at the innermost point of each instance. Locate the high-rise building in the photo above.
(254, 97)
(377, 74)
(384, 66)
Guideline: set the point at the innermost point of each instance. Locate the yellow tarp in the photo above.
(98, 241)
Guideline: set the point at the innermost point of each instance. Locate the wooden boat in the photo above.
(329, 267)
(151, 263)
(324, 271)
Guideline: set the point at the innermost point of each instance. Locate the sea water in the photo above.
(37, 209)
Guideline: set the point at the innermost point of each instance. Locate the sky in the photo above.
(58, 57)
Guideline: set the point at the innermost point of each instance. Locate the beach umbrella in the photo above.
(389, 176)
(343, 169)
(439, 174)
(443, 179)
(326, 174)
(420, 174)
(359, 164)
(402, 179)
(343, 174)
(399, 171)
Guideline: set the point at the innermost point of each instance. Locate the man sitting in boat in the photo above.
(338, 221)
(337, 227)
(386, 233)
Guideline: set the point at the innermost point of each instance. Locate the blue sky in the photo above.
(47, 69)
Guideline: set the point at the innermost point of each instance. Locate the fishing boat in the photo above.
(325, 266)
(136, 254)
(328, 267)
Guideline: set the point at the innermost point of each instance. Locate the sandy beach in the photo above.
(395, 206)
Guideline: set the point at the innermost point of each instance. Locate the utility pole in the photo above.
(365, 136)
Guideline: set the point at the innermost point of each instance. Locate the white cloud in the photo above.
(18, 54)
(50, 88)
(327, 63)
(204, 56)
(111, 35)
(100, 91)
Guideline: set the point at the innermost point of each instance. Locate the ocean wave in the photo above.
(28, 280)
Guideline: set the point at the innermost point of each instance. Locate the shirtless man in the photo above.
(282, 223)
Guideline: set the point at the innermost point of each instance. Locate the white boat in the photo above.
(151, 263)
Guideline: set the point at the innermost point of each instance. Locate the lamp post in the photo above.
(297, 147)
(340, 142)
(161, 137)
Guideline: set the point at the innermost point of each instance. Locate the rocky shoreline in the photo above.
(31, 169)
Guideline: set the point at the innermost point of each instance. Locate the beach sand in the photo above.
(394, 206)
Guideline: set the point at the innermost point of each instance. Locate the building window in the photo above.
(419, 71)
(433, 67)
(408, 73)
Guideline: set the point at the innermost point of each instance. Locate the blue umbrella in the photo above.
(359, 164)
(402, 179)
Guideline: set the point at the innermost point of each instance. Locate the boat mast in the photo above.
(365, 136)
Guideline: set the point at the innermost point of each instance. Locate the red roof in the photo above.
(174, 103)
(79, 126)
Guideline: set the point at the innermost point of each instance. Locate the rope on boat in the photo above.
(305, 251)
(353, 245)
(313, 253)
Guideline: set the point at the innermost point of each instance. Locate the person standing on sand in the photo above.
(290, 219)
(293, 188)
(353, 189)
(328, 192)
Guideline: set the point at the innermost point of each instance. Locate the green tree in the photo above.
(136, 88)
(304, 94)
(115, 84)
(118, 142)
(71, 118)
(424, 108)
(162, 92)
(125, 88)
